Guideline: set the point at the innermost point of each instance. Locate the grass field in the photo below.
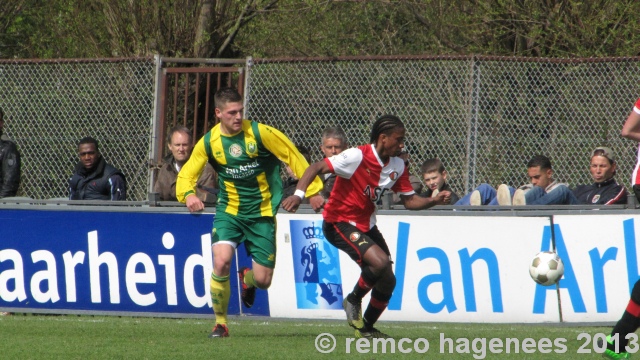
(98, 337)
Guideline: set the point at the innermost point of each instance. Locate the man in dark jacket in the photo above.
(93, 178)
(9, 164)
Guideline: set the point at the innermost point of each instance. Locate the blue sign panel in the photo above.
(316, 267)
(108, 261)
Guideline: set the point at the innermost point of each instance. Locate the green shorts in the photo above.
(258, 235)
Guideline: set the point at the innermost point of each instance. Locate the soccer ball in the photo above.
(546, 268)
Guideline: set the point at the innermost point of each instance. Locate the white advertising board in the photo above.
(601, 265)
(448, 269)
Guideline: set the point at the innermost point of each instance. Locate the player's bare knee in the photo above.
(262, 277)
(263, 285)
(380, 264)
(221, 268)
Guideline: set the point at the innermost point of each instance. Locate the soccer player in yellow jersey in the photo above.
(247, 157)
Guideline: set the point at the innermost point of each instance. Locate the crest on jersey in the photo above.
(595, 199)
(354, 237)
(235, 150)
(252, 148)
(394, 176)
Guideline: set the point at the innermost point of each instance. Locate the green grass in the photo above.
(99, 337)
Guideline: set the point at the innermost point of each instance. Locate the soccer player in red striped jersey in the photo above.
(364, 174)
(631, 130)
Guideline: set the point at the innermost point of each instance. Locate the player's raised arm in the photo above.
(631, 127)
(310, 175)
(280, 146)
(188, 177)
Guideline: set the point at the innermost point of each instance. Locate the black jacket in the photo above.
(605, 193)
(328, 180)
(94, 184)
(454, 197)
(10, 171)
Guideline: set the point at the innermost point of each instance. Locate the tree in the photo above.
(182, 28)
(554, 28)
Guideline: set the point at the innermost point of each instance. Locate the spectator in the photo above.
(435, 176)
(631, 130)
(93, 178)
(180, 143)
(540, 173)
(334, 141)
(605, 190)
(10, 161)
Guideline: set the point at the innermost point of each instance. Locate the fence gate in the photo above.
(185, 90)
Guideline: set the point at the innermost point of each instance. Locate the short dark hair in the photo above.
(226, 95)
(539, 160)
(431, 165)
(179, 128)
(88, 140)
(385, 124)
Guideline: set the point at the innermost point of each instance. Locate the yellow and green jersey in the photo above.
(248, 165)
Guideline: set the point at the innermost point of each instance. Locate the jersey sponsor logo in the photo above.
(595, 199)
(272, 257)
(252, 148)
(235, 150)
(374, 193)
(393, 176)
(354, 237)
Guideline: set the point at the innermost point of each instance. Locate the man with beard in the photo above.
(93, 178)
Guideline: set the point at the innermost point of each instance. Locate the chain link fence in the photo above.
(484, 117)
(50, 105)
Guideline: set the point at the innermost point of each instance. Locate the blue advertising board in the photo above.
(111, 261)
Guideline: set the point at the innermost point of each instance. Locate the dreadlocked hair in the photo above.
(385, 124)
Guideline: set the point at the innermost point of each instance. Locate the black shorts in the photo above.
(354, 242)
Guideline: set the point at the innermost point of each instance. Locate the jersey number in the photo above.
(375, 193)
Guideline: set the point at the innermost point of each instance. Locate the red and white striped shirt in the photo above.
(362, 180)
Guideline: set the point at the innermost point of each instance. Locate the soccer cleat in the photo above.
(371, 333)
(248, 295)
(475, 198)
(504, 195)
(518, 198)
(354, 314)
(610, 354)
(219, 331)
